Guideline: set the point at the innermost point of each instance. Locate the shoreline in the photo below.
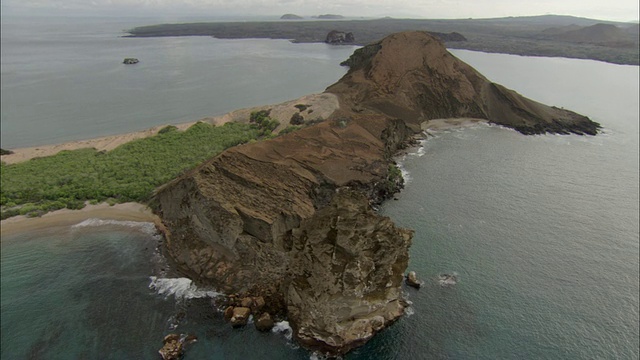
(323, 104)
(65, 217)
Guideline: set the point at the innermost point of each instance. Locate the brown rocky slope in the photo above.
(290, 219)
(412, 76)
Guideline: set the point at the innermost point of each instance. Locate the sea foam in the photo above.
(146, 227)
(180, 288)
(284, 328)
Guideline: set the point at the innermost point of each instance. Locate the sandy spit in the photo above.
(321, 105)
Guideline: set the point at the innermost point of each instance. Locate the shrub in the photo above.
(301, 107)
(296, 119)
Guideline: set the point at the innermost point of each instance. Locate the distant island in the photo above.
(291, 17)
(548, 35)
(328, 17)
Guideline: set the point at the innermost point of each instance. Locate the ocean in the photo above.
(542, 232)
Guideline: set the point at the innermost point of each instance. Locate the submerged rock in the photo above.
(172, 348)
(448, 279)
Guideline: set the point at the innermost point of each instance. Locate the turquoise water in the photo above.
(542, 232)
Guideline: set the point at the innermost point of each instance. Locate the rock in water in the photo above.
(240, 316)
(412, 280)
(339, 37)
(172, 348)
(412, 76)
(130, 61)
(264, 322)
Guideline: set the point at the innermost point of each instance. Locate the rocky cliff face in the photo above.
(289, 219)
(412, 76)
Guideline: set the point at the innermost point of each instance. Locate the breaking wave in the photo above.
(180, 288)
(146, 227)
(284, 328)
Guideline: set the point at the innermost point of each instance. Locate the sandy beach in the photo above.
(66, 217)
(320, 106)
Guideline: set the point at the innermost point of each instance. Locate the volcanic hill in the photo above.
(412, 76)
(291, 219)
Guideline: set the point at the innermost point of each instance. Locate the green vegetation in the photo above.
(296, 119)
(5, 152)
(261, 121)
(289, 129)
(394, 181)
(128, 173)
(301, 107)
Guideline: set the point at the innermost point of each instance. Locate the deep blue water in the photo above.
(541, 230)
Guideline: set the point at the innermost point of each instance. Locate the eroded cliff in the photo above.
(265, 219)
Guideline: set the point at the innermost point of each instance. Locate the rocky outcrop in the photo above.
(174, 346)
(251, 221)
(412, 76)
(412, 280)
(335, 37)
(130, 61)
(345, 274)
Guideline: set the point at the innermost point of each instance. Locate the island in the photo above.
(292, 220)
(291, 17)
(284, 220)
(547, 35)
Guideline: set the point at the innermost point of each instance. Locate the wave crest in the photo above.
(180, 288)
(146, 227)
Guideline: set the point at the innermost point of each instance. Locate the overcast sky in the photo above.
(619, 10)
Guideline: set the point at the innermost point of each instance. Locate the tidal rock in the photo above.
(246, 302)
(240, 316)
(448, 279)
(339, 37)
(265, 322)
(412, 280)
(130, 61)
(172, 348)
(228, 313)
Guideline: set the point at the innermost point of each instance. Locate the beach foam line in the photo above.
(146, 227)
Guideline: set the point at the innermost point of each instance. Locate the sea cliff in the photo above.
(291, 219)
